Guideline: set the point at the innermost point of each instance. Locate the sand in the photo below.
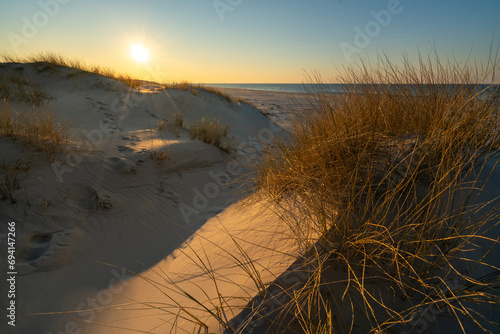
(108, 229)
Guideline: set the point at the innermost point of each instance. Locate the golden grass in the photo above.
(219, 93)
(195, 88)
(60, 60)
(211, 132)
(15, 87)
(175, 125)
(37, 129)
(387, 176)
(10, 176)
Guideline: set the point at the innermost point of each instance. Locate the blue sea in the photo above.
(327, 88)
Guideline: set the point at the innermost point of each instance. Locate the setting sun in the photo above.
(139, 53)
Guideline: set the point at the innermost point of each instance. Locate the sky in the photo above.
(248, 41)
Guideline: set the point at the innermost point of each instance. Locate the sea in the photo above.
(330, 88)
(288, 88)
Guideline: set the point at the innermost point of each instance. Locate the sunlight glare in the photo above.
(139, 53)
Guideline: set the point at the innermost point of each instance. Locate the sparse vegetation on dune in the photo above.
(59, 60)
(37, 129)
(211, 132)
(219, 93)
(183, 85)
(195, 88)
(13, 86)
(175, 125)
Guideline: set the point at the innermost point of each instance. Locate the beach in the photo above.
(124, 216)
(108, 232)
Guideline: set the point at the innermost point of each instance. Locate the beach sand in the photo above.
(106, 231)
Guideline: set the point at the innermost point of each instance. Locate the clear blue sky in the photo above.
(246, 40)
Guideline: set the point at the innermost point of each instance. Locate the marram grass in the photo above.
(388, 177)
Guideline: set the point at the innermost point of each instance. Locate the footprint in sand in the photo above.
(174, 197)
(135, 138)
(125, 149)
(85, 197)
(47, 251)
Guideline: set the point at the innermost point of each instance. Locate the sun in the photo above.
(139, 53)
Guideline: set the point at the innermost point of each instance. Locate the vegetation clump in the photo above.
(382, 181)
(210, 131)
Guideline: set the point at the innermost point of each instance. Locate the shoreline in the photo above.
(279, 107)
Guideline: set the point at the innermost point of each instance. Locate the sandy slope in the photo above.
(111, 206)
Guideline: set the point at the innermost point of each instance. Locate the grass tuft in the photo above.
(175, 125)
(210, 131)
(15, 87)
(37, 129)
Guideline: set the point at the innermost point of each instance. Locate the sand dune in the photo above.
(133, 229)
(124, 198)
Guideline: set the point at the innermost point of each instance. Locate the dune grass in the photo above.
(388, 177)
(219, 93)
(15, 87)
(210, 131)
(60, 60)
(37, 129)
(195, 88)
(174, 125)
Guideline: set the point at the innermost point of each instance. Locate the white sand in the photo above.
(109, 202)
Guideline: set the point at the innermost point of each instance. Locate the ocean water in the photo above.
(333, 88)
(288, 88)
